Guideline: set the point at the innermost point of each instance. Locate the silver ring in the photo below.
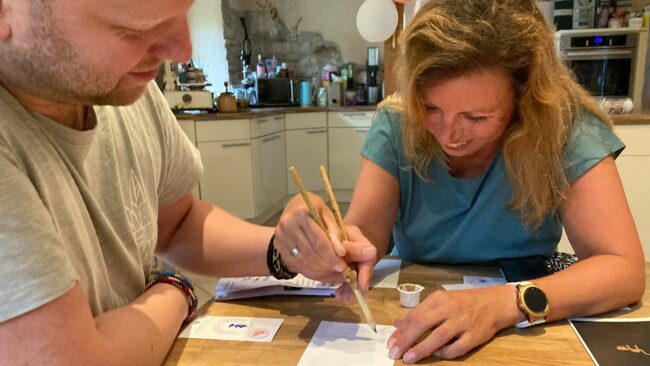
(294, 252)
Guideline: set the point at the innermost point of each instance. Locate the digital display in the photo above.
(599, 41)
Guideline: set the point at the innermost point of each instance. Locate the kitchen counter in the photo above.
(629, 119)
(263, 112)
(618, 119)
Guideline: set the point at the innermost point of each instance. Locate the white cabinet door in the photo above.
(269, 167)
(227, 179)
(635, 174)
(634, 169)
(301, 121)
(306, 150)
(344, 145)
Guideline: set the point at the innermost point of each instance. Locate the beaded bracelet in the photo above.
(180, 283)
(275, 265)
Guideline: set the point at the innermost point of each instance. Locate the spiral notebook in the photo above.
(245, 287)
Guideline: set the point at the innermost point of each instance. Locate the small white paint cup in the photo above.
(409, 294)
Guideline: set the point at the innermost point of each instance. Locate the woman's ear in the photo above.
(5, 26)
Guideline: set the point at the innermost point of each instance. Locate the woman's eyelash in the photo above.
(476, 119)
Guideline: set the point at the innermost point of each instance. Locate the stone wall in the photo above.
(304, 52)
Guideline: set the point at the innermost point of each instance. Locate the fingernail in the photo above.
(394, 353)
(338, 268)
(409, 357)
(391, 342)
(369, 252)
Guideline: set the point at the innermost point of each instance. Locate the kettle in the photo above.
(226, 102)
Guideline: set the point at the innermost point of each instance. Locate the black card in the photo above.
(615, 342)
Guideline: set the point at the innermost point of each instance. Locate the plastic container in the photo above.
(409, 294)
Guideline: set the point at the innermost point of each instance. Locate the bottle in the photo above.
(274, 66)
(603, 14)
(283, 71)
(261, 69)
(350, 79)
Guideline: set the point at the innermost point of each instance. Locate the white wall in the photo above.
(336, 20)
(208, 45)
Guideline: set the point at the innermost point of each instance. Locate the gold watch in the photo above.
(533, 302)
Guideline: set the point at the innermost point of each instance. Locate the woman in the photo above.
(487, 149)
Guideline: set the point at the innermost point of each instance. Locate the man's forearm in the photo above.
(212, 242)
(142, 332)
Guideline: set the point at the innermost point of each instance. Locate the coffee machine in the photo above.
(184, 87)
(371, 71)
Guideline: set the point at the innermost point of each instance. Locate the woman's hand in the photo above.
(317, 258)
(449, 324)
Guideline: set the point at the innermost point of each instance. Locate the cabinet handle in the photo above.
(271, 138)
(362, 129)
(316, 131)
(263, 120)
(353, 115)
(237, 144)
(277, 118)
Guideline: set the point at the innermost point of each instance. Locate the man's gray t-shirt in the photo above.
(83, 205)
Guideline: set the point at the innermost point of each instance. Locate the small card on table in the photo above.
(232, 328)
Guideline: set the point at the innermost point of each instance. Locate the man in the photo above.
(95, 177)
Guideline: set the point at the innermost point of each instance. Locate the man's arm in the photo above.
(195, 235)
(64, 332)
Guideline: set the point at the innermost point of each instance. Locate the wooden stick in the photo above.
(305, 197)
(349, 273)
(333, 203)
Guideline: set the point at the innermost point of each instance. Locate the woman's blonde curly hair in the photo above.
(449, 38)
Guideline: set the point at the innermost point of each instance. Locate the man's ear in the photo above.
(5, 26)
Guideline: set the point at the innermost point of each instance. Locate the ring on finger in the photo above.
(294, 252)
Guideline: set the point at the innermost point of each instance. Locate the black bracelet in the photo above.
(275, 265)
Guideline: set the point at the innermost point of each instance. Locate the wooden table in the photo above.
(550, 344)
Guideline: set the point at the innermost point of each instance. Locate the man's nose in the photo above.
(174, 43)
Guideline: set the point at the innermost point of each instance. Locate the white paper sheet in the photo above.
(470, 282)
(232, 328)
(344, 344)
(386, 273)
(484, 281)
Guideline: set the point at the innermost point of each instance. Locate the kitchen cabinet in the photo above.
(346, 133)
(244, 164)
(269, 163)
(227, 157)
(188, 128)
(306, 145)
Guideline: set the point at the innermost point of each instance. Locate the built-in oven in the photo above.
(609, 63)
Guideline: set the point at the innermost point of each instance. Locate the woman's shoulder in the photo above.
(589, 127)
(388, 115)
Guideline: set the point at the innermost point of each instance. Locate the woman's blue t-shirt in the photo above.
(452, 220)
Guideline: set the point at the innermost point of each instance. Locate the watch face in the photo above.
(535, 299)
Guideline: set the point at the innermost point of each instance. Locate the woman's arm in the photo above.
(374, 205)
(599, 225)
(610, 274)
